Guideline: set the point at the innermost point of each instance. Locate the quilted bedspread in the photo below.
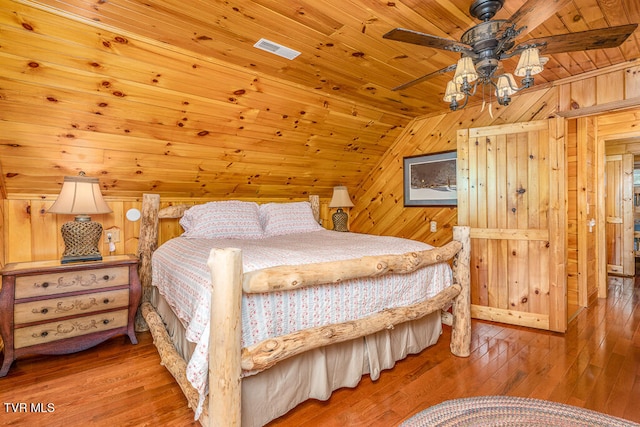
(181, 275)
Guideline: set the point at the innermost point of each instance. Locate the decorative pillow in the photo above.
(230, 219)
(287, 218)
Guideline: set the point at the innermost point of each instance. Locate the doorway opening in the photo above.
(622, 208)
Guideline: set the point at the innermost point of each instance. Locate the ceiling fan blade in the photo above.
(425, 77)
(584, 40)
(533, 13)
(422, 39)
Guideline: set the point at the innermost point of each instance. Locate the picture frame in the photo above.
(431, 179)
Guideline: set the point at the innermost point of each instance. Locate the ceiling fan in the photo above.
(484, 45)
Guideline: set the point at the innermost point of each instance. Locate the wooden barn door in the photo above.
(511, 190)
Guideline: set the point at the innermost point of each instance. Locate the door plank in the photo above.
(512, 194)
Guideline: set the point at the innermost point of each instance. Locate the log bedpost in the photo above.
(225, 337)
(314, 200)
(461, 328)
(147, 244)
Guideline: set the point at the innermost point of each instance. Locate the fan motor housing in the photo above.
(483, 35)
(483, 41)
(484, 10)
(491, 41)
(487, 66)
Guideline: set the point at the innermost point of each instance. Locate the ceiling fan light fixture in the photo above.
(465, 70)
(483, 46)
(529, 63)
(505, 87)
(452, 92)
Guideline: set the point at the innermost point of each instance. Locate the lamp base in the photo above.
(81, 241)
(80, 258)
(340, 219)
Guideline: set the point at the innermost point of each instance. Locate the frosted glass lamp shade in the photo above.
(80, 196)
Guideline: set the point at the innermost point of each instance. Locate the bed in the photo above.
(299, 311)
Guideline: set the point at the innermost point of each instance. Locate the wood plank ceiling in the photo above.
(170, 96)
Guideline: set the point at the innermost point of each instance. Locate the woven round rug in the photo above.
(494, 411)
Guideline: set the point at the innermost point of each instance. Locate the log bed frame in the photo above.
(227, 359)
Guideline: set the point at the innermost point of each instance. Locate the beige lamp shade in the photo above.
(340, 198)
(529, 61)
(452, 92)
(465, 70)
(506, 85)
(80, 196)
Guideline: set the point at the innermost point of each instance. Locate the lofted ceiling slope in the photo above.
(170, 96)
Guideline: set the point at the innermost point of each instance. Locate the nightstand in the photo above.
(47, 307)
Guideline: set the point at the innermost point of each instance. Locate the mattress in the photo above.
(181, 276)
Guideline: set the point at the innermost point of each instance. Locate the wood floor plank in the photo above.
(595, 364)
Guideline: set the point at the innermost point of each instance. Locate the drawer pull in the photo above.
(44, 334)
(45, 284)
(105, 321)
(44, 311)
(105, 277)
(106, 301)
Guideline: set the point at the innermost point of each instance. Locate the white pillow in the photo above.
(287, 218)
(230, 219)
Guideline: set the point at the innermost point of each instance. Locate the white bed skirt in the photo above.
(317, 373)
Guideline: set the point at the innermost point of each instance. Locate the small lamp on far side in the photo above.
(340, 200)
(80, 196)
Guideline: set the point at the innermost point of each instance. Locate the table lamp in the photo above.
(340, 200)
(80, 196)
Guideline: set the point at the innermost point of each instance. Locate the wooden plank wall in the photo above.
(620, 131)
(34, 234)
(572, 215)
(582, 284)
(587, 193)
(379, 207)
(379, 198)
(378, 202)
(146, 116)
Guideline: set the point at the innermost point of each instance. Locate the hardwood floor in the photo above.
(595, 365)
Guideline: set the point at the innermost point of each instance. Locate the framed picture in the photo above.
(430, 180)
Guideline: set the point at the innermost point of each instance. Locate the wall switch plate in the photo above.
(434, 226)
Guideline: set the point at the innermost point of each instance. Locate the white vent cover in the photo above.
(276, 49)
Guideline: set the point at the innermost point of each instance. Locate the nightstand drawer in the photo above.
(54, 331)
(54, 308)
(70, 281)
(50, 307)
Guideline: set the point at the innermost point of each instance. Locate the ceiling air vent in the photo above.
(276, 49)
